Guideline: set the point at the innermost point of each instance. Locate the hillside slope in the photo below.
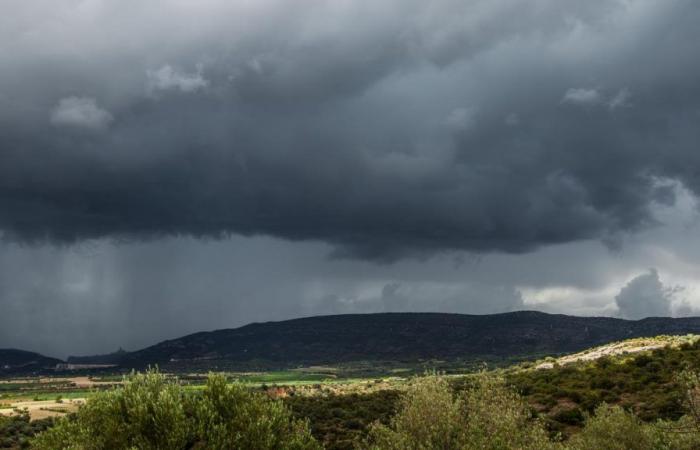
(401, 337)
(13, 361)
(644, 381)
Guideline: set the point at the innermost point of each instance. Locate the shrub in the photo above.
(487, 416)
(151, 412)
(690, 384)
(147, 413)
(16, 431)
(361, 410)
(570, 416)
(429, 417)
(233, 417)
(498, 418)
(613, 428)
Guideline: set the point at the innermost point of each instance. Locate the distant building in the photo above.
(68, 366)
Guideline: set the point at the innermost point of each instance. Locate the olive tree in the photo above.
(153, 412)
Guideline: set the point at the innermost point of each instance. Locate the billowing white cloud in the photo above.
(80, 112)
(644, 296)
(169, 78)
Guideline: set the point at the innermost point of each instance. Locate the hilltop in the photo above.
(397, 337)
(375, 339)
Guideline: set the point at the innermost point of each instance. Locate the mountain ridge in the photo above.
(404, 337)
(401, 336)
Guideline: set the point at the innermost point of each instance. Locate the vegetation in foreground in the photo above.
(152, 412)
(341, 421)
(644, 383)
(489, 415)
(431, 416)
(17, 431)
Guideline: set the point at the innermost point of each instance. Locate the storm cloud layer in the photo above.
(384, 128)
(176, 166)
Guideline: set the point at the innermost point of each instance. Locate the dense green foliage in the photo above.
(614, 428)
(339, 422)
(645, 384)
(152, 412)
(642, 401)
(561, 397)
(16, 431)
(488, 415)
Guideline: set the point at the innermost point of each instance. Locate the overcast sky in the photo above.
(176, 166)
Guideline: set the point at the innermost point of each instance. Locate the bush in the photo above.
(16, 431)
(613, 428)
(498, 418)
(487, 416)
(151, 412)
(490, 416)
(429, 417)
(360, 411)
(233, 417)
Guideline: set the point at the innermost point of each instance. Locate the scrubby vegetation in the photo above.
(16, 431)
(488, 415)
(152, 412)
(644, 386)
(339, 422)
(645, 383)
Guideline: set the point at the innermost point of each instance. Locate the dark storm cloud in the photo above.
(384, 128)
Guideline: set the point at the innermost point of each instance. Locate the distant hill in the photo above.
(109, 358)
(406, 337)
(20, 361)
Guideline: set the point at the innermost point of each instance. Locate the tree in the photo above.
(230, 416)
(152, 412)
(613, 428)
(488, 416)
